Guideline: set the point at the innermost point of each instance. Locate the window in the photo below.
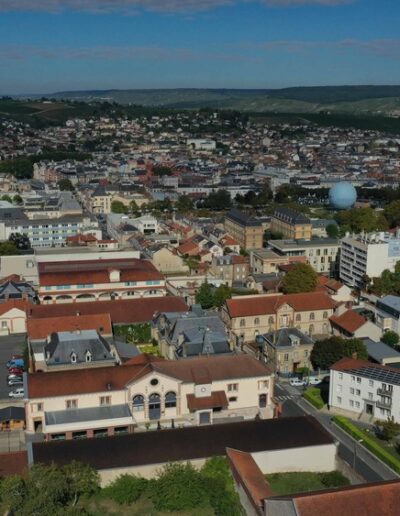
(325, 315)
(4, 324)
(263, 384)
(73, 358)
(242, 323)
(306, 353)
(138, 403)
(351, 390)
(154, 381)
(357, 404)
(353, 378)
(339, 400)
(232, 399)
(358, 392)
(298, 317)
(371, 383)
(233, 387)
(340, 376)
(71, 404)
(370, 396)
(351, 403)
(358, 379)
(286, 357)
(105, 400)
(88, 356)
(37, 407)
(256, 321)
(271, 320)
(170, 400)
(312, 316)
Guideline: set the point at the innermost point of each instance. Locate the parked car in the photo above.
(16, 362)
(15, 381)
(314, 381)
(297, 382)
(17, 393)
(16, 370)
(12, 376)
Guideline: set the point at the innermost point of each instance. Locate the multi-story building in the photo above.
(248, 231)
(359, 387)
(266, 261)
(231, 268)
(100, 201)
(246, 317)
(147, 391)
(285, 350)
(98, 280)
(321, 253)
(368, 255)
(291, 223)
(387, 313)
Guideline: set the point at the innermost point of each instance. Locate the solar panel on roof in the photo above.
(380, 374)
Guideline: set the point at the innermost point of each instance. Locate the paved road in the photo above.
(9, 345)
(364, 463)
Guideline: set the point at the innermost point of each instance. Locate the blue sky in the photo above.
(53, 45)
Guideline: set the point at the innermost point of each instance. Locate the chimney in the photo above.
(354, 355)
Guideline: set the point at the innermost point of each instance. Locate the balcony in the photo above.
(384, 392)
(384, 404)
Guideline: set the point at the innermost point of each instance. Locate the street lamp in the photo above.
(355, 452)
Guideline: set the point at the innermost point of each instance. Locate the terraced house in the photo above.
(146, 392)
(246, 317)
(98, 280)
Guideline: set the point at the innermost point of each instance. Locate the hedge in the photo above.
(369, 443)
(313, 395)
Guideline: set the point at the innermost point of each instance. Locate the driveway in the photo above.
(9, 345)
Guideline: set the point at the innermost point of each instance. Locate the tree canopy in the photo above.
(302, 278)
(219, 200)
(209, 296)
(391, 338)
(65, 185)
(328, 351)
(8, 249)
(361, 219)
(118, 207)
(184, 204)
(162, 170)
(388, 282)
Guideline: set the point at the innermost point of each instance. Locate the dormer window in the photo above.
(73, 357)
(88, 356)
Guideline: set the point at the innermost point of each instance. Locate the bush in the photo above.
(126, 489)
(369, 443)
(313, 395)
(334, 479)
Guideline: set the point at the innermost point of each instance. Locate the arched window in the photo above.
(256, 321)
(242, 323)
(298, 317)
(325, 315)
(154, 406)
(312, 316)
(88, 356)
(73, 357)
(170, 400)
(138, 403)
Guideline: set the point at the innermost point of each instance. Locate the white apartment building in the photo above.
(321, 253)
(359, 387)
(368, 255)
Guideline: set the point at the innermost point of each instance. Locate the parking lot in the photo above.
(9, 345)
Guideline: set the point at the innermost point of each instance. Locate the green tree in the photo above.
(8, 249)
(48, 487)
(82, 480)
(221, 294)
(184, 204)
(219, 200)
(6, 198)
(302, 278)
(134, 208)
(65, 185)
(118, 207)
(126, 489)
(205, 296)
(13, 491)
(21, 168)
(362, 219)
(389, 429)
(328, 351)
(332, 230)
(179, 487)
(17, 199)
(392, 214)
(391, 338)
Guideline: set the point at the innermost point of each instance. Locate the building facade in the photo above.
(291, 223)
(246, 230)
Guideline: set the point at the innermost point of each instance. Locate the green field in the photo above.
(303, 481)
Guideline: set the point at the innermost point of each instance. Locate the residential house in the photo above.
(190, 334)
(166, 260)
(381, 353)
(100, 201)
(246, 230)
(231, 268)
(266, 261)
(13, 316)
(350, 324)
(358, 387)
(147, 390)
(13, 287)
(388, 313)
(285, 350)
(249, 316)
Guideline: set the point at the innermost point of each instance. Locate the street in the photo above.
(360, 459)
(9, 345)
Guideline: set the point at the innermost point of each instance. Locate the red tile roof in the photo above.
(20, 304)
(188, 247)
(248, 474)
(216, 400)
(380, 498)
(259, 305)
(129, 311)
(350, 321)
(39, 329)
(96, 271)
(102, 379)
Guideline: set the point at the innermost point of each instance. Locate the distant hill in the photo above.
(341, 99)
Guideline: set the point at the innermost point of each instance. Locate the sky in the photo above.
(58, 45)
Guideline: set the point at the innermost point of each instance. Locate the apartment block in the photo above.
(291, 223)
(248, 231)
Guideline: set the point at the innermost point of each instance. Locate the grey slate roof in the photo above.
(291, 216)
(379, 350)
(15, 290)
(242, 219)
(285, 338)
(15, 413)
(391, 302)
(60, 417)
(63, 344)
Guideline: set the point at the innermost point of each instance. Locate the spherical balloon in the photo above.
(342, 195)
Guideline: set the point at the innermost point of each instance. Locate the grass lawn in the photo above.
(303, 481)
(387, 445)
